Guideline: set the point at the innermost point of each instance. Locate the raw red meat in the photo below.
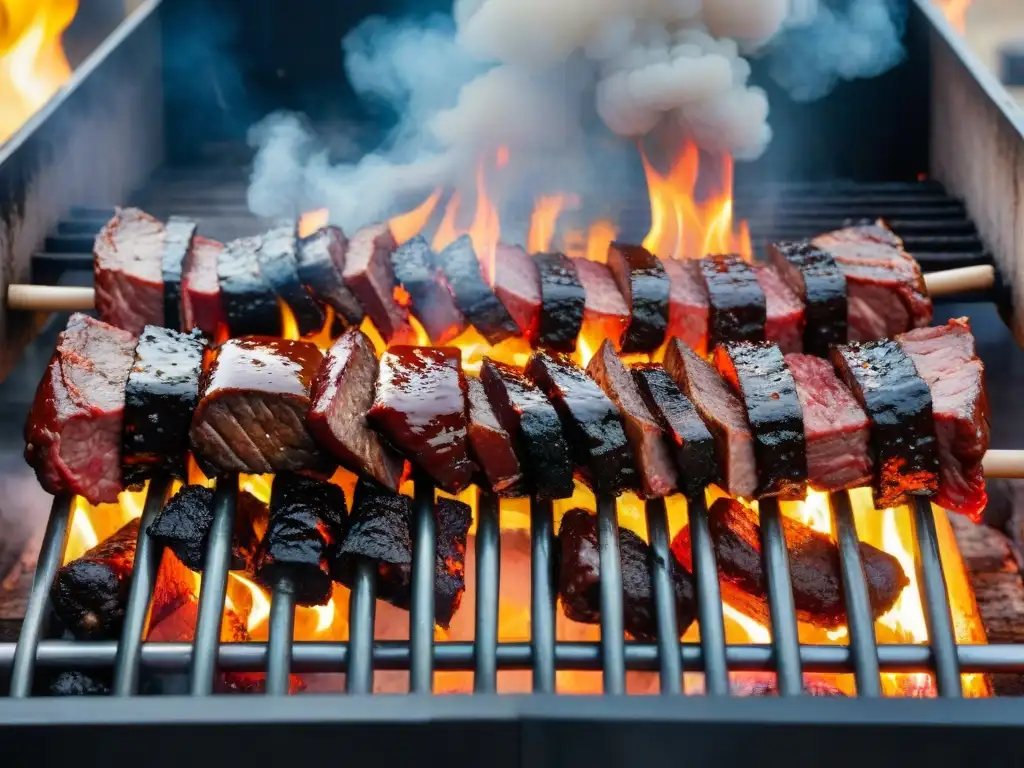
(127, 261)
(368, 272)
(605, 314)
(785, 323)
(515, 281)
(687, 303)
(200, 291)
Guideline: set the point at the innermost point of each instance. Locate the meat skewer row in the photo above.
(854, 284)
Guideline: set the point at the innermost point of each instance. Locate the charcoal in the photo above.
(579, 578)
(381, 530)
(738, 308)
(80, 684)
(493, 447)
(178, 236)
(645, 286)
(485, 312)
(321, 266)
(524, 412)
(899, 406)
(426, 291)
(813, 564)
(562, 302)
(249, 302)
(307, 521)
(758, 372)
(279, 267)
(821, 284)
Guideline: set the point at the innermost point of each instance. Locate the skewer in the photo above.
(63, 298)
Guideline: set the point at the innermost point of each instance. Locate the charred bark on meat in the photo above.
(821, 284)
(178, 237)
(249, 302)
(279, 267)
(427, 292)
(645, 286)
(562, 302)
(738, 309)
(321, 266)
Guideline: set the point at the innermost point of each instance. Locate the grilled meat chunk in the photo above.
(886, 294)
(784, 311)
(73, 432)
(645, 288)
(562, 300)
(307, 522)
(758, 372)
(590, 421)
(183, 526)
(821, 285)
(690, 441)
(459, 263)
(426, 291)
(252, 409)
(177, 244)
(492, 445)
(813, 563)
(688, 303)
(279, 267)
(161, 393)
(657, 473)
(946, 359)
(605, 314)
(200, 292)
(248, 299)
(723, 413)
(370, 275)
(381, 530)
(321, 265)
(579, 578)
(899, 406)
(420, 406)
(524, 412)
(738, 308)
(341, 394)
(127, 262)
(837, 432)
(512, 275)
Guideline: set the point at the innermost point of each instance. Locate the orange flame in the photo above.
(410, 223)
(485, 229)
(956, 12)
(32, 61)
(542, 223)
(311, 221)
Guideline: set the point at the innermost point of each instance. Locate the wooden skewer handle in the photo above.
(1005, 464)
(960, 280)
(50, 298)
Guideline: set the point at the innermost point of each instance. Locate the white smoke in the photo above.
(551, 81)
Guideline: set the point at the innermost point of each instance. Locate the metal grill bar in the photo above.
(612, 645)
(136, 614)
(859, 619)
(362, 608)
(214, 587)
(542, 595)
(282, 630)
(670, 665)
(780, 599)
(488, 577)
(421, 615)
(709, 600)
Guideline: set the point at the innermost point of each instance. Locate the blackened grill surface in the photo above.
(177, 244)
(738, 310)
(645, 286)
(161, 393)
(562, 302)
(899, 405)
(758, 372)
(279, 267)
(249, 301)
(431, 301)
(817, 279)
(459, 263)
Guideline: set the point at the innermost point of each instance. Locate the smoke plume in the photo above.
(556, 82)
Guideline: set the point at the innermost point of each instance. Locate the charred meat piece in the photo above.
(821, 285)
(590, 421)
(177, 244)
(748, 685)
(562, 301)
(183, 526)
(645, 288)
(758, 372)
(513, 278)
(279, 267)
(813, 563)
(738, 308)
(127, 261)
(899, 406)
(525, 413)
(723, 413)
(946, 359)
(886, 294)
(381, 530)
(605, 314)
(784, 320)
(689, 438)
(836, 429)
(492, 445)
(420, 407)
(307, 522)
(250, 304)
(426, 292)
(341, 394)
(687, 303)
(161, 393)
(200, 292)
(73, 432)
(321, 265)
(579, 578)
(252, 409)
(459, 263)
(646, 439)
(368, 272)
